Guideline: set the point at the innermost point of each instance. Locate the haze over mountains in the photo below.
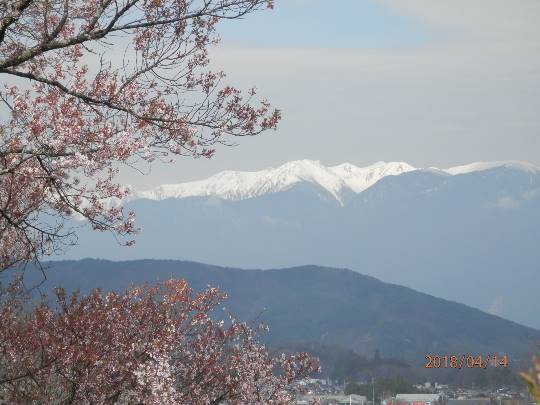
(468, 233)
(323, 306)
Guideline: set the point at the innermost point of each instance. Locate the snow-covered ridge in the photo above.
(481, 166)
(236, 185)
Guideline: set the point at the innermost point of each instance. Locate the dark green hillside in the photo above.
(324, 306)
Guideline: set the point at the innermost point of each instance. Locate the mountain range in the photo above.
(234, 185)
(336, 180)
(468, 233)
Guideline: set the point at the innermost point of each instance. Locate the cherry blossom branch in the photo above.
(69, 129)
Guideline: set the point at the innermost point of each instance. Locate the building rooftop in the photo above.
(418, 397)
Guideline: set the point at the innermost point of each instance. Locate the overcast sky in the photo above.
(429, 82)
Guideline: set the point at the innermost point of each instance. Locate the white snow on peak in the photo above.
(481, 166)
(359, 179)
(237, 185)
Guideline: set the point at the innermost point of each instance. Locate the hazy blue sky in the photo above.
(430, 82)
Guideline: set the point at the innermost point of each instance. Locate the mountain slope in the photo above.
(323, 305)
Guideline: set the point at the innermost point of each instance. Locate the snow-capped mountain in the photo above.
(237, 185)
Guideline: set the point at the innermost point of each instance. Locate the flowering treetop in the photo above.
(69, 123)
(149, 345)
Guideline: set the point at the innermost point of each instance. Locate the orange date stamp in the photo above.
(464, 360)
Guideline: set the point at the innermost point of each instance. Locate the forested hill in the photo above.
(320, 305)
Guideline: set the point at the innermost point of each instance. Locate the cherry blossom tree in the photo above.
(151, 345)
(88, 86)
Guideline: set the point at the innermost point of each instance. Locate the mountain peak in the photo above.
(359, 179)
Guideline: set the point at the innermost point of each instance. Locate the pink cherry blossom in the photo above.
(150, 345)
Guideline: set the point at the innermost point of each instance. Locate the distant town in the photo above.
(330, 393)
